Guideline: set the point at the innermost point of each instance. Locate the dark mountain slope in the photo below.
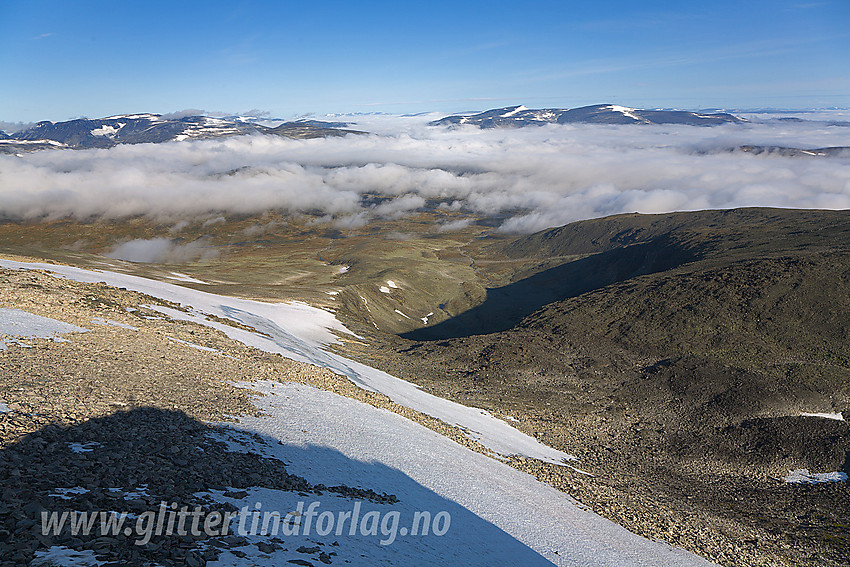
(748, 230)
(505, 306)
(765, 291)
(680, 381)
(590, 255)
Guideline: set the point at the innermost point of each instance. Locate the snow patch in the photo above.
(516, 110)
(23, 142)
(83, 447)
(184, 278)
(193, 345)
(835, 416)
(26, 325)
(104, 130)
(139, 492)
(64, 492)
(384, 289)
(110, 322)
(499, 516)
(803, 476)
(392, 284)
(625, 110)
(61, 556)
(147, 116)
(107, 130)
(4, 408)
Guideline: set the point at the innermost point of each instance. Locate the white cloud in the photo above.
(161, 250)
(398, 207)
(351, 221)
(184, 113)
(258, 229)
(217, 220)
(452, 226)
(538, 177)
(12, 127)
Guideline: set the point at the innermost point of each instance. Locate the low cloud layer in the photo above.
(12, 127)
(161, 250)
(533, 177)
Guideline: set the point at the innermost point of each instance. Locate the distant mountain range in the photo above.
(834, 151)
(520, 116)
(84, 133)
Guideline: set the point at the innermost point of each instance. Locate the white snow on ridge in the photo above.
(515, 111)
(44, 141)
(298, 331)
(625, 110)
(152, 117)
(545, 115)
(107, 130)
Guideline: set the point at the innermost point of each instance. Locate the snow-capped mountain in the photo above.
(86, 133)
(519, 116)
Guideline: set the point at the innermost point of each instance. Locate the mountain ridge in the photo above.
(86, 133)
(520, 116)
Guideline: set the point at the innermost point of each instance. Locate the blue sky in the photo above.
(61, 59)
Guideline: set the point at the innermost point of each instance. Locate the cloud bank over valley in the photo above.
(529, 178)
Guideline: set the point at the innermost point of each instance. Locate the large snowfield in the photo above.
(498, 515)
